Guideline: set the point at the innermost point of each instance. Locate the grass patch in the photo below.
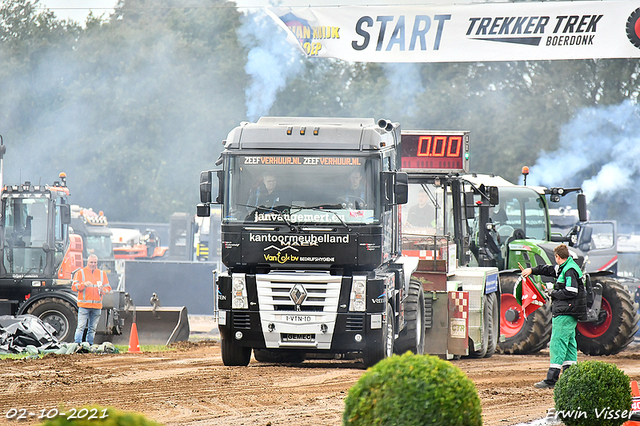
(146, 348)
(13, 356)
(123, 349)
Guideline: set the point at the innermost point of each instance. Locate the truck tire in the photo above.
(278, 357)
(377, 351)
(411, 338)
(58, 313)
(522, 335)
(492, 314)
(234, 355)
(613, 332)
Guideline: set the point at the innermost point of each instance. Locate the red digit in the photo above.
(439, 146)
(424, 146)
(454, 146)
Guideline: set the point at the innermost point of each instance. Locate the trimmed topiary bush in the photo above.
(97, 416)
(411, 390)
(593, 393)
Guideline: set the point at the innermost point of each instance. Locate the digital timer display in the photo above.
(435, 151)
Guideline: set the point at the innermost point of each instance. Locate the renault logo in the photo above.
(297, 295)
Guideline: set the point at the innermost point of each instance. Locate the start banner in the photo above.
(466, 33)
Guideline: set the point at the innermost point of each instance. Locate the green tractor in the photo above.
(517, 233)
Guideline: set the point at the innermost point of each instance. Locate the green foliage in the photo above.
(146, 348)
(593, 393)
(100, 416)
(134, 105)
(411, 390)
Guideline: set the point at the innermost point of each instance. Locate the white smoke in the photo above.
(406, 81)
(599, 151)
(271, 62)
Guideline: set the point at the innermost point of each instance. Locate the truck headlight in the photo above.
(358, 299)
(239, 292)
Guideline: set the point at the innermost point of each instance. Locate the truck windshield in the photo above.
(425, 211)
(100, 245)
(302, 190)
(25, 224)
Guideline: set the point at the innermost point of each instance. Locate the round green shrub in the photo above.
(98, 416)
(593, 393)
(411, 390)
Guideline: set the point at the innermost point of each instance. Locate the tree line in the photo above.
(132, 106)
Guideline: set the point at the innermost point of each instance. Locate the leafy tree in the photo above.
(131, 107)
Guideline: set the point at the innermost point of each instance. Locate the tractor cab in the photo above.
(34, 223)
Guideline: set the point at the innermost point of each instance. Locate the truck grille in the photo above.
(355, 324)
(241, 320)
(322, 292)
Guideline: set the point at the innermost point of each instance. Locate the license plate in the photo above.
(297, 319)
(290, 337)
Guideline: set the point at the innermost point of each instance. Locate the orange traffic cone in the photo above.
(134, 345)
(635, 404)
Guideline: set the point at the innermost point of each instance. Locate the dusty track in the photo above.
(190, 386)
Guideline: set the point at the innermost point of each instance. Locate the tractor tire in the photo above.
(613, 332)
(58, 313)
(234, 355)
(524, 335)
(278, 357)
(377, 351)
(492, 314)
(411, 338)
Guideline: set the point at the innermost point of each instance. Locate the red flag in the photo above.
(532, 298)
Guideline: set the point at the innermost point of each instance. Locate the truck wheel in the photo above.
(492, 314)
(58, 313)
(279, 357)
(234, 355)
(617, 324)
(379, 350)
(522, 335)
(411, 338)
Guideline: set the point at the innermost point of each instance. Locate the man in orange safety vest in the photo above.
(91, 284)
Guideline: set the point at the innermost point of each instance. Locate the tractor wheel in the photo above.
(617, 324)
(58, 313)
(234, 354)
(522, 335)
(411, 338)
(492, 314)
(377, 351)
(278, 357)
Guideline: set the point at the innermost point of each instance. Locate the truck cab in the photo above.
(310, 238)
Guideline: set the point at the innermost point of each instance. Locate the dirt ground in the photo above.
(191, 386)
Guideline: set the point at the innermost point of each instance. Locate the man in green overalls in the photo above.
(568, 305)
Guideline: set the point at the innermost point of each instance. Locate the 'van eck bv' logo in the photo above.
(633, 28)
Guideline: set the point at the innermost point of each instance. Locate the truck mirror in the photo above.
(494, 195)
(469, 204)
(582, 207)
(203, 210)
(220, 174)
(65, 214)
(205, 187)
(401, 188)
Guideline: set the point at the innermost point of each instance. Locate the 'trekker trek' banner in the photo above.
(466, 33)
